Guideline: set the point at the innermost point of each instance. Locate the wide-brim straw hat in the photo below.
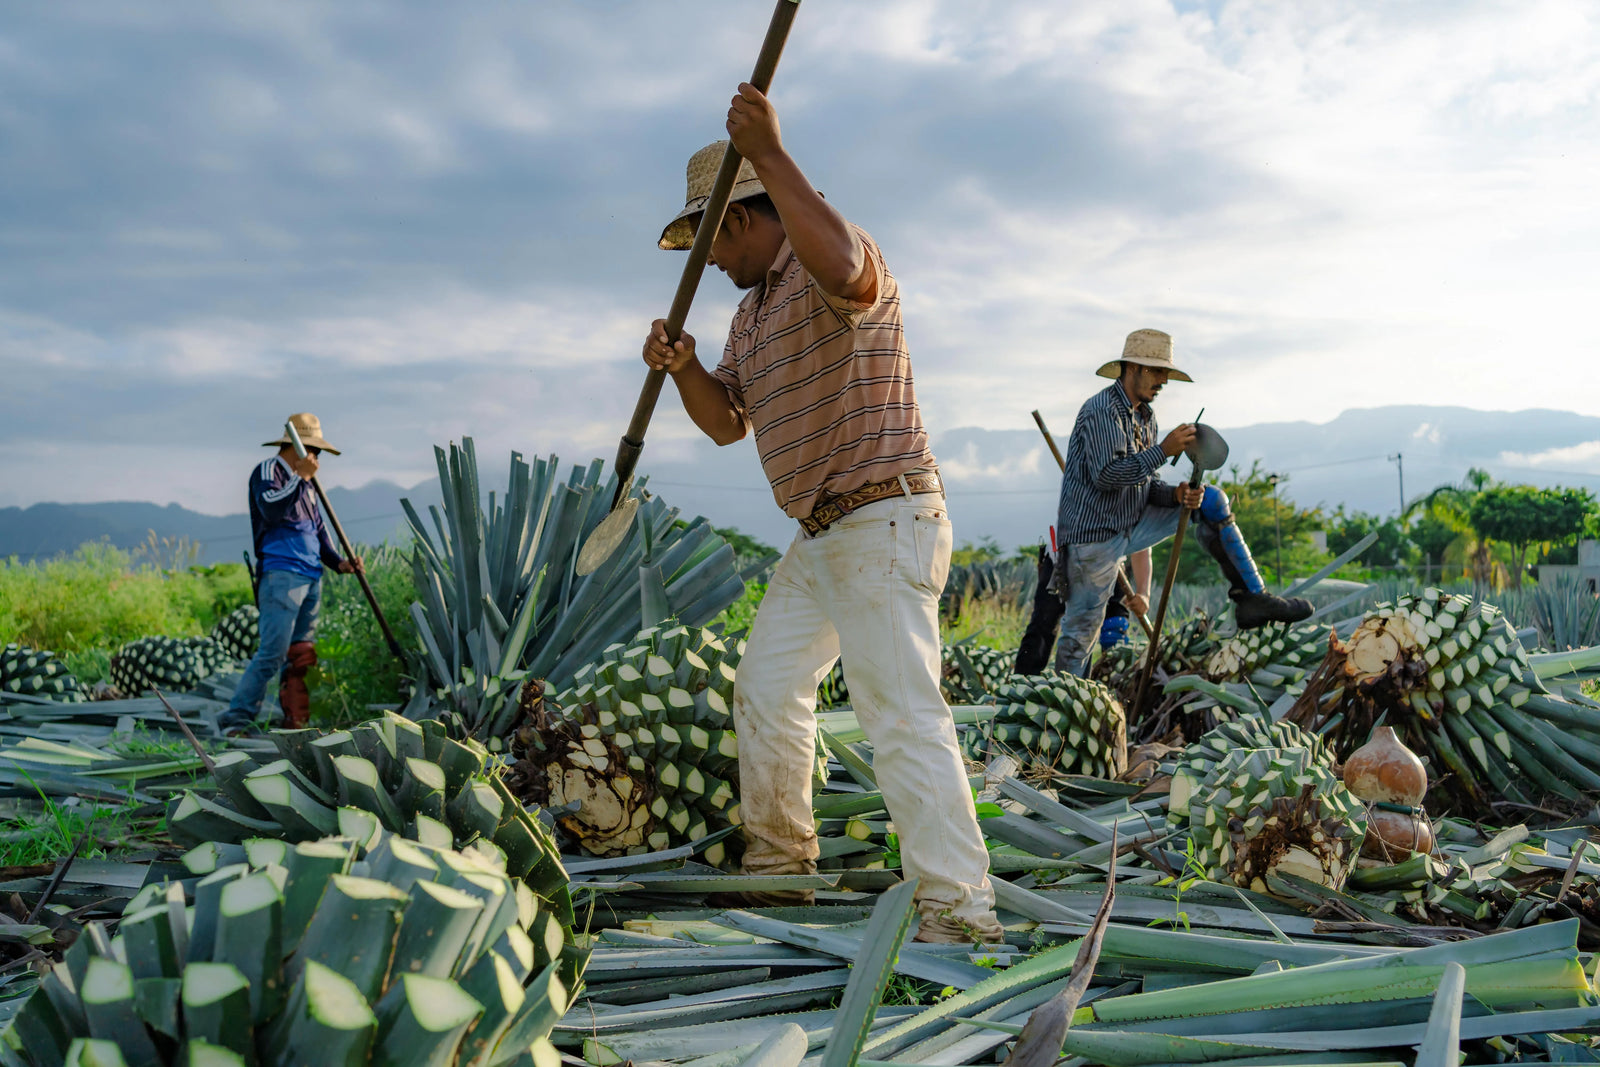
(702, 174)
(1148, 348)
(309, 427)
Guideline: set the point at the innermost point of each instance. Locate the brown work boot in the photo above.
(948, 930)
(763, 898)
(293, 695)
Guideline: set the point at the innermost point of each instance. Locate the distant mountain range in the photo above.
(1002, 483)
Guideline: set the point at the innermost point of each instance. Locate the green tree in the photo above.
(1345, 528)
(984, 551)
(1521, 516)
(1451, 505)
(1433, 536)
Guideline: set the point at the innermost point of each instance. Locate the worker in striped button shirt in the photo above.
(1113, 505)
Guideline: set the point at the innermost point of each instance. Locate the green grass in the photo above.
(99, 598)
(737, 617)
(145, 743)
(50, 835)
(354, 666)
(989, 621)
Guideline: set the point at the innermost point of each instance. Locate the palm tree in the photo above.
(1450, 506)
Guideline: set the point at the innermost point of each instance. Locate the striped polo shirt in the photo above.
(825, 383)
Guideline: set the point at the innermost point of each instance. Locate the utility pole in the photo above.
(1277, 527)
(1398, 459)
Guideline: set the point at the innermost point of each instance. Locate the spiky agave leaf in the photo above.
(499, 600)
(337, 955)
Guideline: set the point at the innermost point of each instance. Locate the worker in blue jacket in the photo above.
(292, 548)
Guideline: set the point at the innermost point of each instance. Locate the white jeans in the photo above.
(870, 582)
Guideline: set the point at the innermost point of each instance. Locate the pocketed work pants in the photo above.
(870, 583)
(1090, 572)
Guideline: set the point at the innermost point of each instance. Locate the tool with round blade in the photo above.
(1207, 452)
(344, 546)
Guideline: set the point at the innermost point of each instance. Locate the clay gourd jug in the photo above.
(1385, 771)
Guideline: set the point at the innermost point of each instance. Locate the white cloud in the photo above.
(442, 219)
(1584, 456)
(968, 464)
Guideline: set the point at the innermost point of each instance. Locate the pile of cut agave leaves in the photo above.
(1118, 950)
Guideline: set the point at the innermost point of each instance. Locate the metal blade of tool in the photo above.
(613, 529)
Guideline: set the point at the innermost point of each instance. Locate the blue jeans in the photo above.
(288, 603)
(1090, 573)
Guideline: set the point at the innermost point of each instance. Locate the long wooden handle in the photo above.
(1122, 577)
(632, 443)
(1166, 592)
(366, 586)
(344, 546)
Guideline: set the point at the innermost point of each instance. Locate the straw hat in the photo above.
(702, 174)
(1148, 348)
(309, 427)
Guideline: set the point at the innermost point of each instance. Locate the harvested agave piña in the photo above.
(1247, 731)
(239, 632)
(971, 671)
(36, 672)
(317, 953)
(1055, 724)
(1448, 672)
(1264, 811)
(173, 664)
(1277, 654)
(387, 775)
(643, 742)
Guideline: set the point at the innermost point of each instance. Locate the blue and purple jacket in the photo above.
(287, 523)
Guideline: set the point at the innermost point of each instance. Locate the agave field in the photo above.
(1364, 839)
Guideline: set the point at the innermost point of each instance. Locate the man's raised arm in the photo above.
(824, 242)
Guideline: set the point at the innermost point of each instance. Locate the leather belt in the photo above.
(833, 508)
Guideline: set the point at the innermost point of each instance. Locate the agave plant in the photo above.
(321, 952)
(499, 596)
(388, 775)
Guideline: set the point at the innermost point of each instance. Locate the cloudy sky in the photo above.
(427, 220)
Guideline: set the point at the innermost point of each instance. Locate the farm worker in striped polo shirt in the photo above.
(816, 364)
(292, 547)
(1114, 505)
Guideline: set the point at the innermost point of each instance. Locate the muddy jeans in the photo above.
(870, 582)
(1090, 574)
